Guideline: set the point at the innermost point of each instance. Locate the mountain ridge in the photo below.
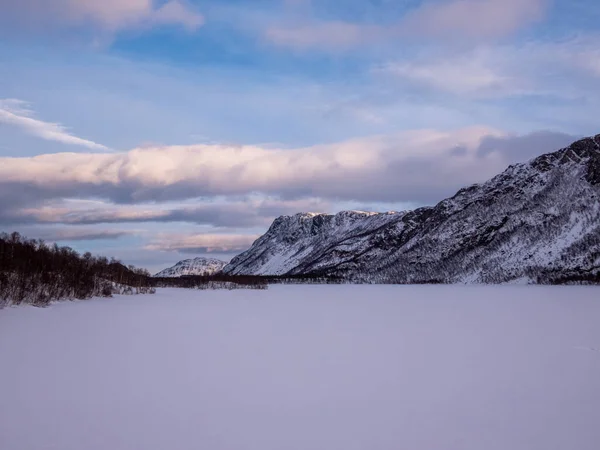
(527, 222)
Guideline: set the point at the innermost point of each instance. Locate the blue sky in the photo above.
(158, 130)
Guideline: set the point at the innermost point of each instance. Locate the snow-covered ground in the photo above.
(306, 368)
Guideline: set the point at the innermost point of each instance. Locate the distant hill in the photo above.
(196, 266)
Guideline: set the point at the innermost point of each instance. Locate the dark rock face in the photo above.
(593, 174)
(538, 221)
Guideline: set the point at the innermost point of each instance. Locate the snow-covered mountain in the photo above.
(537, 222)
(196, 266)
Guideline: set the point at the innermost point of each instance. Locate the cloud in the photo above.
(514, 148)
(17, 113)
(466, 74)
(216, 213)
(567, 69)
(322, 35)
(202, 243)
(176, 12)
(414, 166)
(80, 235)
(446, 19)
(108, 15)
(51, 233)
(472, 18)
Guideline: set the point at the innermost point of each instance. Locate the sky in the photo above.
(159, 130)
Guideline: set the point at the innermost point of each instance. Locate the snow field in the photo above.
(306, 368)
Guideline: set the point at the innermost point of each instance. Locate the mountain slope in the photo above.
(196, 266)
(538, 221)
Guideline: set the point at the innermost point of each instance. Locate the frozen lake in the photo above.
(306, 368)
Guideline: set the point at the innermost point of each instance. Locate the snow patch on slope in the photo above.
(196, 266)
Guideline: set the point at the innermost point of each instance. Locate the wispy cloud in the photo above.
(17, 113)
(220, 213)
(449, 19)
(331, 36)
(80, 235)
(531, 68)
(108, 15)
(202, 243)
(466, 74)
(472, 18)
(176, 12)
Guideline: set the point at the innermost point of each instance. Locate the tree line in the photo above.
(223, 281)
(34, 272)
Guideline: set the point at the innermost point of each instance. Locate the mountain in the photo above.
(196, 266)
(536, 222)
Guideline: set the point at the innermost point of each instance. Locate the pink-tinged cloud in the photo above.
(449, 19)
(422, 166)
(110, 15)
(472, 18)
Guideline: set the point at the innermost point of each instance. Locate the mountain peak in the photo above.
(195, 266)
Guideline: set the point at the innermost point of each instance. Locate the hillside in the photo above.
(536, 222)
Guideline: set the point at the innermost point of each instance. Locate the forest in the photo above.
(36, 273)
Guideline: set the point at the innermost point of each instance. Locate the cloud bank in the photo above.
(415, 166)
